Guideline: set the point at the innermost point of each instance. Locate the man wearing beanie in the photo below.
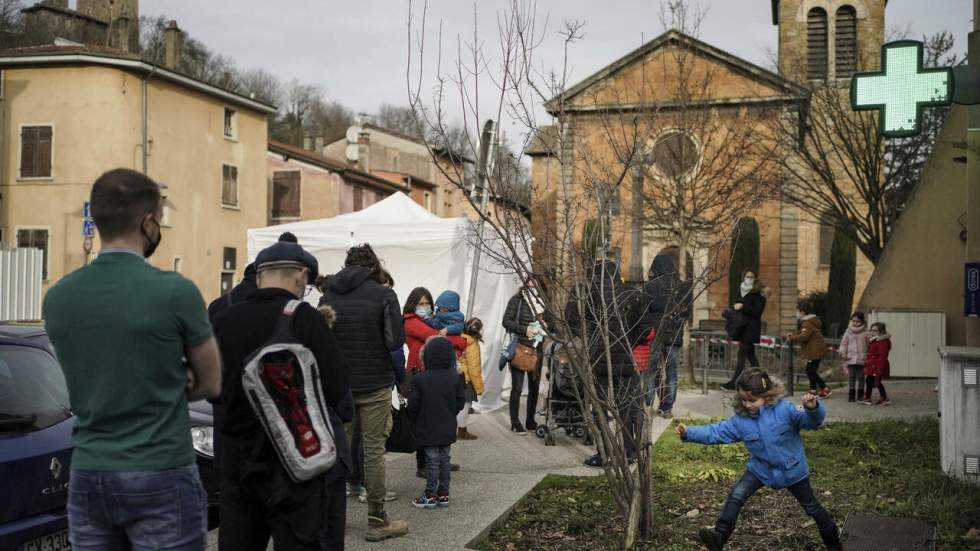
(437, 398)
(258, 500)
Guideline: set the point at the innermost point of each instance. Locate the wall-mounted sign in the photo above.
(971, 308)
(902, 89)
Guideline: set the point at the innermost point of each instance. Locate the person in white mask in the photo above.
(751, 303)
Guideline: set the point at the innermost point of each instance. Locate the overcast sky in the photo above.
(357, 50)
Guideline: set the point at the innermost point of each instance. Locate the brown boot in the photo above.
(463, 434)
(380, 528)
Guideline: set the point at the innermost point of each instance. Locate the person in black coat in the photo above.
(437, 397)
(612, 308)
(668, 307)
(752, 304)
(257, 497)
(369, 324)
(518, 317)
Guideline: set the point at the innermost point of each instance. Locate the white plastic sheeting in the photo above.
(419, 249)
(20, 284)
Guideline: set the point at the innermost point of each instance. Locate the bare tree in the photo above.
(589, 312)
(840, 169)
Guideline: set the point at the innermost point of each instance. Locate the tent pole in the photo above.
(483, 167)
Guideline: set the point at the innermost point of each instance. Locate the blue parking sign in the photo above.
(971, 307)
(87, 210)
(88, 228)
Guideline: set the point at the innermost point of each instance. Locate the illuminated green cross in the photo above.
(902, 89)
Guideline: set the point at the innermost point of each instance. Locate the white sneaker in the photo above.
(389, 496)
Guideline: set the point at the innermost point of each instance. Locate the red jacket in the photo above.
(417, 332)
(877, 362)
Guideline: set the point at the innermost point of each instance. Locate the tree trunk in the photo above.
(686, 340)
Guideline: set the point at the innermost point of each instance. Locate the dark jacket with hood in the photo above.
(753, 305)
(240, 330)
(368, 326)
(518, 316)
(612, 306)
(437, 395)
(665, 296)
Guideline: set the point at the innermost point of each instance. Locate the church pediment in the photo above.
(652, 76)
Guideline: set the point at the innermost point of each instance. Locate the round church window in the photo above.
(675, 154)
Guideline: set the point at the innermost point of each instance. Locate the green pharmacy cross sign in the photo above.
(902, 89)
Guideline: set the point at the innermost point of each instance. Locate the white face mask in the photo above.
(749, 281)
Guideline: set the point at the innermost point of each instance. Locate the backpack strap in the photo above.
(284, 328)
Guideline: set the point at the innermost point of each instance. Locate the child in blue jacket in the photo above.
(447, 315)
(770, 429)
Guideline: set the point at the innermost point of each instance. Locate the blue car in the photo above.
(35, 443)
(35, 448)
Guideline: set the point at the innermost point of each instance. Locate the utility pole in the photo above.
(484, 165)
(973, 173)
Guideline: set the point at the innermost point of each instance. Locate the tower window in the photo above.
(845, 39)
(816, 44)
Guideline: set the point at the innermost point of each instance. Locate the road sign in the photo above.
(87, 210)
(88, 228)
(971, 308)
(901, 89)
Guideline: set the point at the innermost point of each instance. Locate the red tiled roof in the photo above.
(369, 179)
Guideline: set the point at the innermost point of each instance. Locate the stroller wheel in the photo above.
(580, 432)
(549, 439)
(542, 431)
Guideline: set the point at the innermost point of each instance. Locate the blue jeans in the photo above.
(109, 510)
(436, 470)
(749, 484)
(664, 381)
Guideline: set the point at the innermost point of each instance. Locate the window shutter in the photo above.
(358, 198)
(28, 149)
(816, 42)
(845, 40)
(44, 139)
(286, 194)
(229, 185)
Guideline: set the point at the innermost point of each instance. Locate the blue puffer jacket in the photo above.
(453, 320)
(772, 437)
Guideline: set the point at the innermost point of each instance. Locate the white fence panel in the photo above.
(20, 284)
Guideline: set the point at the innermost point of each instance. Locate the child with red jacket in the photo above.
(876, 366)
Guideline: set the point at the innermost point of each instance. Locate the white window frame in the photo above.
(221, 188)
(47, 261)
(234, 123)
(20, 152)
(179, 264)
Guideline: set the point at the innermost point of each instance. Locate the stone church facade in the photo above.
(821, 42)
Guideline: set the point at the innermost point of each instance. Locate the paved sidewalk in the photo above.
(499, 468)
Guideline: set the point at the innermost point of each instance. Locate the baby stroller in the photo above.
(562, 409)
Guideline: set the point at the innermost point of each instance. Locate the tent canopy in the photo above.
(419, 249)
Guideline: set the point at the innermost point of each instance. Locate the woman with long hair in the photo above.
(751, 302)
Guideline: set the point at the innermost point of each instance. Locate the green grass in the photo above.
(889, 467)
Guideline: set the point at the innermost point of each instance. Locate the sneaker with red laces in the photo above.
(883, 402)
(825, 392)
(442, 500)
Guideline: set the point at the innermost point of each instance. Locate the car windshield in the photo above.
(33, 393)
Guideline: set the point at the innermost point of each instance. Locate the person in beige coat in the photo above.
(813, 349)
(471, 368)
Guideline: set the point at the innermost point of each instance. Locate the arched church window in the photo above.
(675, 154)
(816, 44)
(845, 39)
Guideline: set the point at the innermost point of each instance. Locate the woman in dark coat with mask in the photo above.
(752, 304)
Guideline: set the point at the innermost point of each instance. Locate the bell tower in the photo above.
(828, 40)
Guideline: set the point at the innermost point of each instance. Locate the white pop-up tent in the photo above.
(419, 249)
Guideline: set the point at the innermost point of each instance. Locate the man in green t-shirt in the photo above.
(121, 330)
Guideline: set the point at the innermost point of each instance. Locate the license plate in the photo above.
(57, 541)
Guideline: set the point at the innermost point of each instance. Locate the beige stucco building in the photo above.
(68, 114)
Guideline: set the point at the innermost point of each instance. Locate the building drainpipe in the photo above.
(973, 172)
(145, 115)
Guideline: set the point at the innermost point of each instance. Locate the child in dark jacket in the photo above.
(876, 366)
(436, 399)
(447, 315)
(770, 428)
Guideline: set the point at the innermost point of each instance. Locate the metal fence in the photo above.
(20, 284)
(714, 356)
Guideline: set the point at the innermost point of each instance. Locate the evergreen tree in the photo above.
(745, 254)
(840, 288)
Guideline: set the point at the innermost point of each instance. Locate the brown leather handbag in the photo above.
(525, 358)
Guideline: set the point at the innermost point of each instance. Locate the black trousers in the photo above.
(872, 382)
(628, 395)
(312, 518)
(516, 386)
(746, 351)
(813, 373)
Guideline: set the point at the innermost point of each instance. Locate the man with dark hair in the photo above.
(121, 329)
(257, 498)
(369, 323)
